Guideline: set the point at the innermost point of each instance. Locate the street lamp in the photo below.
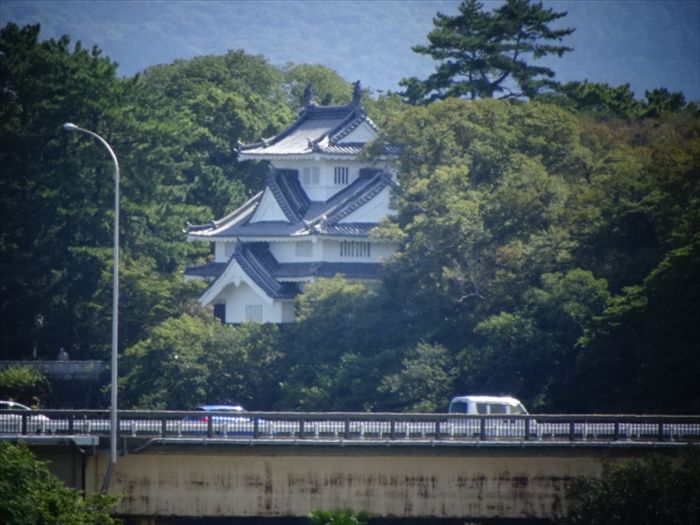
(115, 309)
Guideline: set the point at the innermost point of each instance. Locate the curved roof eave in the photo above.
(210, 229)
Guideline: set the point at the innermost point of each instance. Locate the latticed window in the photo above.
(341, 175)
(354, 249)
(253, 312)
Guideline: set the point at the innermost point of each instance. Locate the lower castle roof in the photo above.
(276, 279)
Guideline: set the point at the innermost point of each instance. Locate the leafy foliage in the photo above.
(548, 248)
(191, 360)
(529, 234)
(329, 88)
(606, 102)
(338, 517)
(425, 381)
(482, 54)
(656, 489)
(30, 494)
(174, 129)
(23, 384)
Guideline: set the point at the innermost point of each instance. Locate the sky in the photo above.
(645, 43)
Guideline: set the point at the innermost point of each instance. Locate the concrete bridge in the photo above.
(174, 473)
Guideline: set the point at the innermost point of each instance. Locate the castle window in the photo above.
(341, 175)
(354, 249)
(303, 249)
(253, 312)
(311, 176)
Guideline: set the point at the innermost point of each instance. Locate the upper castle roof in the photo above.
(318, 129)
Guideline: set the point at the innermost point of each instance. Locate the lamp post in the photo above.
(115, 309)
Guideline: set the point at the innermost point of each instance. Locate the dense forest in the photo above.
(550, 241)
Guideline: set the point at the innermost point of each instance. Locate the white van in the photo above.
(486, 405)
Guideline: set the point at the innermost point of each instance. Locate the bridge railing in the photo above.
(334, 426)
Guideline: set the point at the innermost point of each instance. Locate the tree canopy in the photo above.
(489, 54)
(548, 248)
(656, 489)
(31, 494)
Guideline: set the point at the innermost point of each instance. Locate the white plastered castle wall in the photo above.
(326, 186)
(244, 299)
(362, 133)
(268, 209)
(223, 250)
(374, 211)
(289, 252)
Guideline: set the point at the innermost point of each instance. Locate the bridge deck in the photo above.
(335, 428)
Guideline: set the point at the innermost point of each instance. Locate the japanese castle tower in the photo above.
(312, 219)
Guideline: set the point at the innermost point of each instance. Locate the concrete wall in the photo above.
(419, 482)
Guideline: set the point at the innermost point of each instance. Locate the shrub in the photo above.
(24, 385)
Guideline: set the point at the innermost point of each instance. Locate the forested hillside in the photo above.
(550, 248)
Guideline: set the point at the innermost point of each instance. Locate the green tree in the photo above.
(49, 204)
(485, 54)
(344, 341)
(425, 380)
(338, 517)
(660, 101)
(532, 351)
(600, 100)
(656, 489)
(483, 208)
(245, 365)
(603, 101)
(24, 384)
(219, 100)
(532, 240)
(31, 494)
(174, 129)
(166, 370)
(329, 88)
(641, 353)
(193, 359)
(334, 326)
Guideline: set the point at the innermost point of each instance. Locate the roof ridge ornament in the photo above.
(356, 94)
(308, 95)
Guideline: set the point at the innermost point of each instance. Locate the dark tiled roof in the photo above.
(318, 217)
(347, 229)
(328, 269)
(376, 182)
(285, 186)
(317, 129)
(237, 216)
(211, 270)
(259, 264)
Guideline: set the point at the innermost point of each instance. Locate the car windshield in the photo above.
(518, 410)
(458, 407)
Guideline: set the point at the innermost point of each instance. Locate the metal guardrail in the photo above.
(390, 427)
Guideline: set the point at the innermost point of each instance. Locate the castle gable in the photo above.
(268, 209)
